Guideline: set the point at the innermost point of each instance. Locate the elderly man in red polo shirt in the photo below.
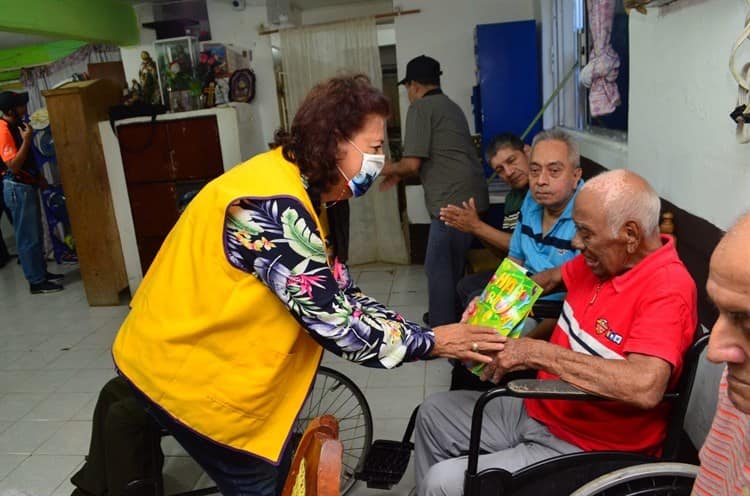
(628, 318)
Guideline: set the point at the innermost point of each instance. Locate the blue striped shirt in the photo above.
(540, 252)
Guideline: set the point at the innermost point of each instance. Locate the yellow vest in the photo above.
(211, 344)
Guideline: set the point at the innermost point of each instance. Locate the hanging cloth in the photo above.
(600, 74)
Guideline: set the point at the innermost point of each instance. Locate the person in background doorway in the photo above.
(21, 185)
(509, 158)
(438, 147)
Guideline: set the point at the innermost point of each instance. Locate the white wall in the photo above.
(681, 92)
(241, 29)
(131, 56)
(444, 30)
(346, 11)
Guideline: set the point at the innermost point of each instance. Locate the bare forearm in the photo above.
(406, 167)
(494, 237)
(550, 280)
(543, 330)
(17, 162)
(639, 380)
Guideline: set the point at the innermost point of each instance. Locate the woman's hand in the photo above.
(469, 309)
(468, 343)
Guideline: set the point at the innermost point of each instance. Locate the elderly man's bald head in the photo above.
(729, 287)
(734, 247)
(617, 222)
(624, 195)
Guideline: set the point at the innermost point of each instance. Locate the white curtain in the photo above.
(38, 79)
(312, 54)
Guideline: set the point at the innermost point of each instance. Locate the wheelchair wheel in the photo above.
(335, 394)
(650, 479)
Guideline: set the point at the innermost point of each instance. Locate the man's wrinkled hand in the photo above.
(514, 356)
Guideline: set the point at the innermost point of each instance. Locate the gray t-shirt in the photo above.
(437, 132)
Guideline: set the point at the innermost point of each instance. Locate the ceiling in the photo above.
(300, 4)
(11, 40)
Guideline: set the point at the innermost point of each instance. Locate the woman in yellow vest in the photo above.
(227, 328)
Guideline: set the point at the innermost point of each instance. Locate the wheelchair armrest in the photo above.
(547, 389)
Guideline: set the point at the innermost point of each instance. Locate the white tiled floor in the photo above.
(55, 357)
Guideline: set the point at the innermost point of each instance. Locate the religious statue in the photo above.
(133, 94)
(149, 79)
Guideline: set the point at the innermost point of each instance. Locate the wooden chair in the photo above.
(316, 468)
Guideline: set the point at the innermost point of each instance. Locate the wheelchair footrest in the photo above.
(385, 463)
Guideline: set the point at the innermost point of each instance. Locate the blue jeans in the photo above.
(235, 473)
(4, 255)
(23, 202)
(445, 265)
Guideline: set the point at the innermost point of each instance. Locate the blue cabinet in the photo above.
(508, 94)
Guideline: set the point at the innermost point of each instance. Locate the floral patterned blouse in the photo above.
(276, 240)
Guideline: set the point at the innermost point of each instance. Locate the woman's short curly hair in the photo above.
(334, 110)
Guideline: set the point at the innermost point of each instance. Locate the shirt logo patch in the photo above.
(602, 327)
(561, 251)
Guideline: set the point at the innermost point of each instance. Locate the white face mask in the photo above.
(372, 165)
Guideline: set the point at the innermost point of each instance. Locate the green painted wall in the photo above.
(9, 76)
(27, 56)
(104, 21)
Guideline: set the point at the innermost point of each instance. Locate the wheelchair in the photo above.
(605, 473)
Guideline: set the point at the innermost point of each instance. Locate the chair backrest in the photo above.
(684, 389)
(316, 468)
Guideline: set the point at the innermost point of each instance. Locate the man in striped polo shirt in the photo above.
(542, 235)
(725, 456)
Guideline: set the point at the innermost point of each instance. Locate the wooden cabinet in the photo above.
(163, 161)
(74, 113)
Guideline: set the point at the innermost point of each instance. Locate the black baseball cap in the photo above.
(422, 68)
(10, 100)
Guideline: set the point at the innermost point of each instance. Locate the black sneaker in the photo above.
(53, 277)
(45, 287)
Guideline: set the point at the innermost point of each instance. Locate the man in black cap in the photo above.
(21, 192)
(439, 148)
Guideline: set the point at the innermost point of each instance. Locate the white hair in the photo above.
(557, 134)
(626, 196)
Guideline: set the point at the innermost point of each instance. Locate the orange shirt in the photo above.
(8, 147)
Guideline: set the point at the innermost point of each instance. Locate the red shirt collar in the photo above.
(663, 256)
